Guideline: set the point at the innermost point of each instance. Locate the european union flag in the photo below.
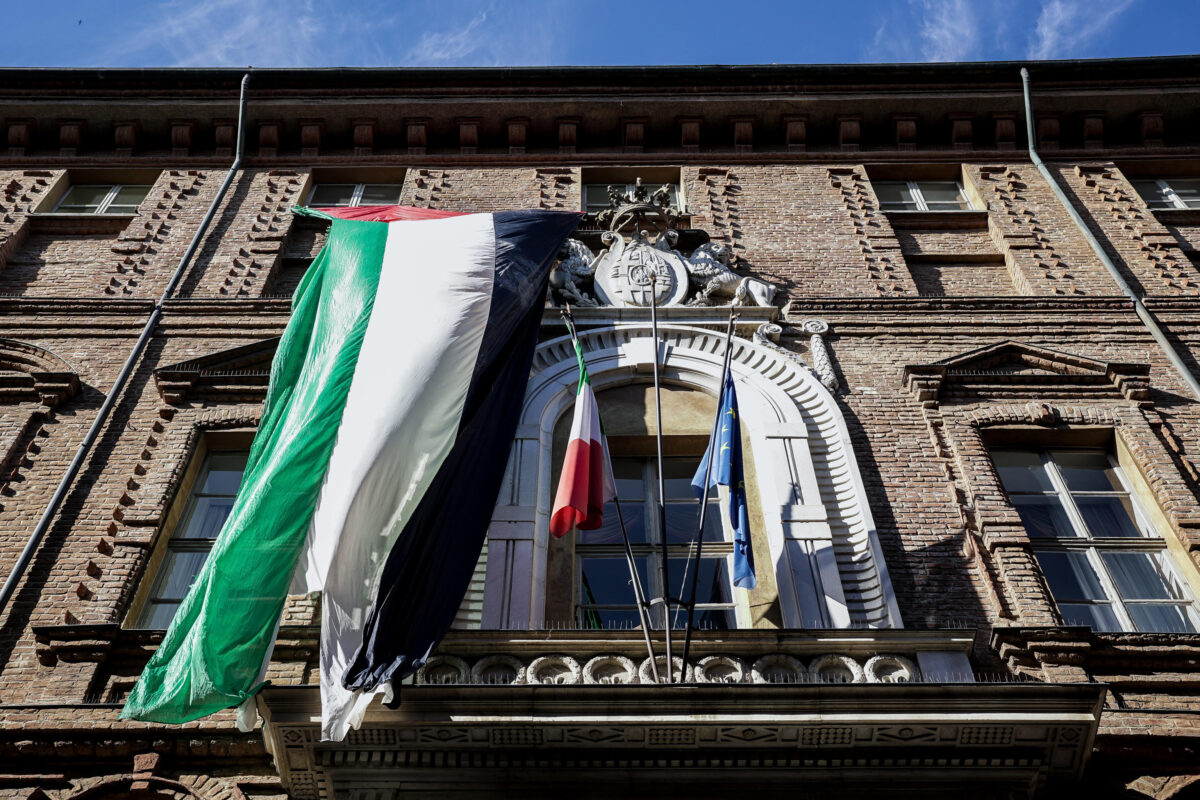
(727, 471)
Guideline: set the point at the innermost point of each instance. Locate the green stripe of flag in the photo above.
(213, 652)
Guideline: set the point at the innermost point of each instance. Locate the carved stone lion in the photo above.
(711, 276)
(577, 264)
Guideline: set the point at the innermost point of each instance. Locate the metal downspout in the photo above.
(1143, 313)
(14, 577)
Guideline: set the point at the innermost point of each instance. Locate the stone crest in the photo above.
(630, 273)
(640, 264)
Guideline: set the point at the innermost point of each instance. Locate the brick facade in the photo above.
(783, 179)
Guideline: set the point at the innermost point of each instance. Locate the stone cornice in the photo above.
(882, 735)
(311, 116)
(1165, 658)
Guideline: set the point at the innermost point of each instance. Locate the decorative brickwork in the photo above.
(1020, 234)
(559, 189)
(20, 192)
(140, 242)
(876, 241)
(1148, 247)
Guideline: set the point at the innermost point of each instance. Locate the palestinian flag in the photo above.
(394, 398)
(586, 482)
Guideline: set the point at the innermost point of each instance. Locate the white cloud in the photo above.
(449, 46)
(949, 30)
(1067, 27)
(928, 30)
(220, 33)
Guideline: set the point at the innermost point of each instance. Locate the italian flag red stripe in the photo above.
(586, 482)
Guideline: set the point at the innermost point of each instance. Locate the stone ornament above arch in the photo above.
(824, 549)
(32, 373)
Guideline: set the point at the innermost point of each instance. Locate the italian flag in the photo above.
(394, 398)
(587, 482)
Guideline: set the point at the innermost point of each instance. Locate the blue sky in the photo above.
(292, 33)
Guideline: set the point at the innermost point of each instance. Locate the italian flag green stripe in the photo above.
(212, 655)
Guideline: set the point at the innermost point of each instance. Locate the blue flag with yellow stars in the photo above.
(727, 471)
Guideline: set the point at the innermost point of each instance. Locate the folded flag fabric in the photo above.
(398, 355)
(587, 481)
(727, 471)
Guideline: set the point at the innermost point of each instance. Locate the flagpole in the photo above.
(638, 594)
(662, 509)
(699, 540)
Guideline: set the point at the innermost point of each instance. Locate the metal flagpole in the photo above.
(662, 509)
(639, 596)
(698, 542)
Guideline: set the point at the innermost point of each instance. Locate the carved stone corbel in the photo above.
(822, 363)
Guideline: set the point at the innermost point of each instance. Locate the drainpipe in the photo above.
(31, 546)
(1143, 313)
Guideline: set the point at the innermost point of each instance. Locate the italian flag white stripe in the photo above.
(586, 482)
(400, 421)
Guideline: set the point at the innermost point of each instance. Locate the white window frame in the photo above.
(919, 198)
(356, 195)
(1169, 195)
(1150, 541)
(113, 191)
(651, 550)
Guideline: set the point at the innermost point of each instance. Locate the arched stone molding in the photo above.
(824, 549)
(45, 378)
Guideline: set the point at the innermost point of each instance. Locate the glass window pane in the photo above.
(157, 616)
(942, 195)
(179, 570)
(207, 517)
(1099, 617)
(1141, 576)
(1153, 194)
(332, 194)
(131, 195)
(84, 197)
(712, 619)
(610, 531)
(677, 478)
(380, 194)
(1070, 576)
(1160, 618)
(596, 196)
(1021, 471)
(683, 517)
(712, 585)
(606, 619)
(1043, 515)
(1187, 190)
(223, 472)
(894, 195)
(1108, 516)
(1088, 472)
(605, 581)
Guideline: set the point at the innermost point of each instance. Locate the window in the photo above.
(921, 196)
(604, 592)
(102, 198)
(327, 195)
(1175, 193)
(596, 195)
(205, 511)
(1103, 561)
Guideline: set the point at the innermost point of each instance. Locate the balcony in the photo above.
(548, 712)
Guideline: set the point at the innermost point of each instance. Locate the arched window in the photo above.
(816, 546)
